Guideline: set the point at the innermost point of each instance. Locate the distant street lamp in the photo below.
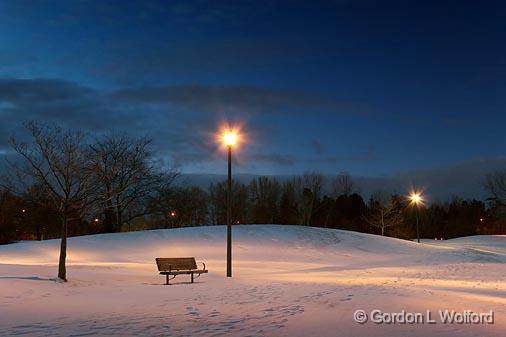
(416, 198)
(229, 139)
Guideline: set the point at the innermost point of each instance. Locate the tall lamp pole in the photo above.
(416, 199)
(229, 213)
(230, 139)
(417, 227)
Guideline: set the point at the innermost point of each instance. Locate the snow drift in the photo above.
(288, 281)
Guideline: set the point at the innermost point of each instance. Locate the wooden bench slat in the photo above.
(182, 272)
(180, 263)
(178, 266)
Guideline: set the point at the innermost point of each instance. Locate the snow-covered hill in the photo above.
(288, 281)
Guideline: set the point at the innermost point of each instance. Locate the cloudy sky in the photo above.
(370, 87)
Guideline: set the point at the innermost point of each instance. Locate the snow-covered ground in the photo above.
(288, 281)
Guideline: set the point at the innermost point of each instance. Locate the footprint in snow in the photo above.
(191, 311)
(214, 313)
(347, 298)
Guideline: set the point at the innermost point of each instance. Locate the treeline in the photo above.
(307, 200)
(69, 184)
(265, 200)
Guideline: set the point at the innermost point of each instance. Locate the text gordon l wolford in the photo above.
(443, 316)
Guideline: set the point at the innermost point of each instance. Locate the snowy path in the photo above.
(288, 281)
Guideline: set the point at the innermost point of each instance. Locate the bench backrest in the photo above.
(176, 263)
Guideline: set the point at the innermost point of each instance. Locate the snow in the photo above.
(288, 281)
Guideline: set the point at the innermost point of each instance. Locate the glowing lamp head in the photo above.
(415, 198)
(230, 138)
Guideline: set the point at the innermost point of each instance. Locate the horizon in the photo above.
(440, 184)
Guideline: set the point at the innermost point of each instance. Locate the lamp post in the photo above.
(416, 199)
(229, 139)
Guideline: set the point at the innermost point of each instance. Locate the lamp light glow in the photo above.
(415, 198)
(230, 138)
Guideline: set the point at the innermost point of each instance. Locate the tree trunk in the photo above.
(382, 223)
(62, 272)
(110, 217)
(119, 219)
(38, 232)
(109, 212)
(166, 218)
(328, 214)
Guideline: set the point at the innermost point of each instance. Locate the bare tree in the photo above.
(264, 195)
(161, 202)
(314, 182)
(188, 206)
(57, 161)
(495, 183)
(9, 216)
(384, 211)
(307, 190)
(218, 202)
(126, 176)
(288, 210)
(342, 184)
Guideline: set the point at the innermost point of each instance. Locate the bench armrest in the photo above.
(204, 268)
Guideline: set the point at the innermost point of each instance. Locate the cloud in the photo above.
(50, 99)
(440, 184)
(177, 117)
(291, 160)
(234, 98)
(463, 179)
(56, 101)
(274, 158)
(27, 91)
(317, 147)
(13, 58)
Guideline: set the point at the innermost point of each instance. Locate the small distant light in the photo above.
(415, 198)
(96, 220)
(481, 219)
(237, 222)
(23, 210)
(173, 213)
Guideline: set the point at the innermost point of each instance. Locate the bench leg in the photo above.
(167, 279)
(192, 277)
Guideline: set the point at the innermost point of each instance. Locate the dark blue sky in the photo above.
(370, 87)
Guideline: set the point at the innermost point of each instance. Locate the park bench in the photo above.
(179, 266)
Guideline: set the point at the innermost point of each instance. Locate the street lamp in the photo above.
(229, 139)
(416, 198)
